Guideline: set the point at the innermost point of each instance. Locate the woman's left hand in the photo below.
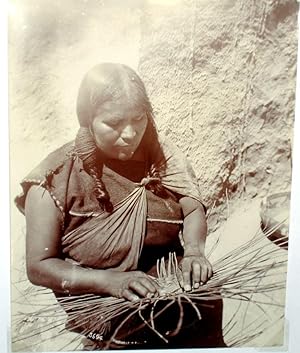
(196, 270)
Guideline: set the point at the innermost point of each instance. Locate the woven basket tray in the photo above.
(274, 214)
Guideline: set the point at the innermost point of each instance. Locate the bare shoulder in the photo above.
(39, 203)
(43, 225)
(190, 204)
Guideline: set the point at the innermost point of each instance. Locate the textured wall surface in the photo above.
(52, 45)
(221, 76)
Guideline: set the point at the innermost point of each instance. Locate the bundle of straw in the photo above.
(245, 274)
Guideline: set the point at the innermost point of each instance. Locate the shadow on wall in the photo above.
(222, 76)
(52, 45)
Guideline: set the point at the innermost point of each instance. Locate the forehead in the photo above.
(121, 106)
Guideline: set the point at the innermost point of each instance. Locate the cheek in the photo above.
(104, 135)
(141, 128)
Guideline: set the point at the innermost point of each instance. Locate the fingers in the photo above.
(180, 278)
(186, 274)
(204, 272)
(137, 287)
(140, 287)
(210, 270)
(195, 272)
(150, 285)
(134, 292)
(129, 295)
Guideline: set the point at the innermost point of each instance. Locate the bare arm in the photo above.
(196, 268)
(45, 267)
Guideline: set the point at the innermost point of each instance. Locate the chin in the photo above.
(124, 156)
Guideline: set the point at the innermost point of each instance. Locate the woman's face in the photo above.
(119, 127)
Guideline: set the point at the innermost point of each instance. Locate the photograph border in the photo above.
(293, 278)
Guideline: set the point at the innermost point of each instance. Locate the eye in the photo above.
(139, 117)
(113, 122)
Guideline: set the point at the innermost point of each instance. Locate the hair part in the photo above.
(107, 82)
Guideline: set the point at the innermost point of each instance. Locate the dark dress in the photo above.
(72, 191)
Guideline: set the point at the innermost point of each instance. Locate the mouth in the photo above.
(125, 147)
(128, 149)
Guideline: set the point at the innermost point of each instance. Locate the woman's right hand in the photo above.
(131, 285)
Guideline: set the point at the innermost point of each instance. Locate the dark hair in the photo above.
(106, 82)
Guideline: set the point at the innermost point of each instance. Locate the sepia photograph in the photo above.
(151, 158)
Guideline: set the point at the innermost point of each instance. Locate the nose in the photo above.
(128, 133)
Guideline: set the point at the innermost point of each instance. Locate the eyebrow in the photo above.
(120, 117)
(115, 119)
(137, 116)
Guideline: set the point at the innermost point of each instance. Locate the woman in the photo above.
(101, 210)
